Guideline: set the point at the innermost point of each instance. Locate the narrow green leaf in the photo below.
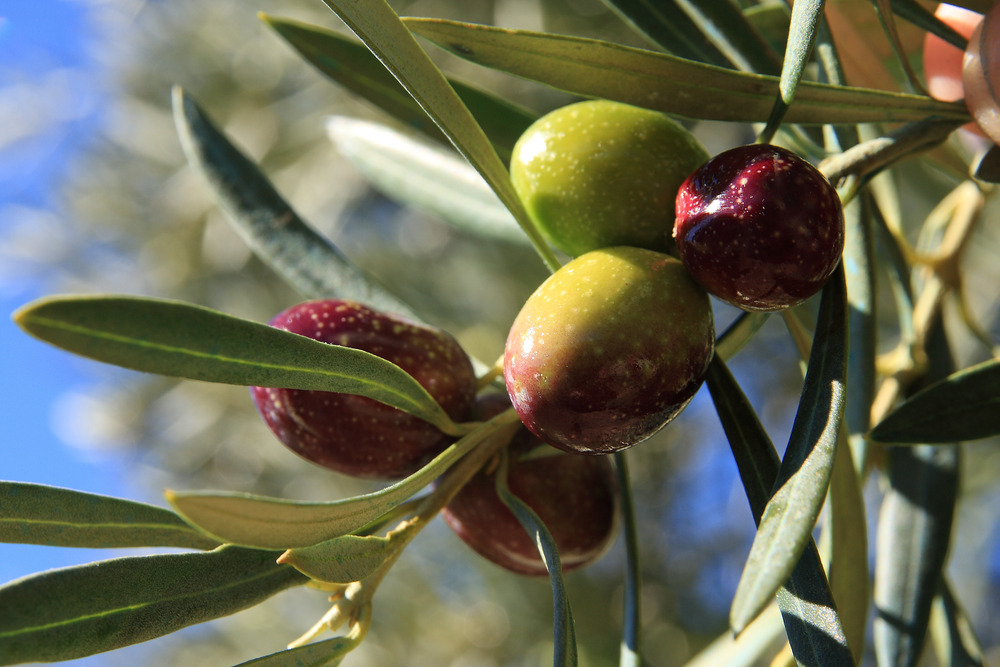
(955, 640)
(963, 406)
(806, 15)
(800, 488)
(632, 598)
(666, 83)
(268, 225)
(752, 647)
(326, 653)
(924, 18)
(859, 268)
(914, 531)
(848, 542)
(352, 65)
(814, 631)
(183, 340)
(78, 611)
(888, 20)
(378, 26)
(739, 333)
(39, 514)
(564, 639)
(425, 176)
(734, 34)
(914, 528)
(668, 26)
(341, 560)
(272, 523)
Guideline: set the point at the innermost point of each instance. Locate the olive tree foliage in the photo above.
(138, 219)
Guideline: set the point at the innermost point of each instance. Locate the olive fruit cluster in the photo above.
(577, 499)
(616, 342)
(353, 434)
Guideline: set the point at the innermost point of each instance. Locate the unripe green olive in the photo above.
(597, 174)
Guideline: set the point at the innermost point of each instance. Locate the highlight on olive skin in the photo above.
(759, 227)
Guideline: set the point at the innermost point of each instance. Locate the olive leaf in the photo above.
(812, 624)
(424, 175)
(326, 653)
(564, 650)
(801, 484)
(963, 406)
(343, 559)
(914, 531)
(40, 514)
(806, 15)
(378, 26)
(268, 225)
(78, 611)
(595, 68)
(183, 340)
(352, 65)
(273, 523)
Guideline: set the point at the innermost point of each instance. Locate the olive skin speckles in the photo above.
(598, 173)
(759, 227)
(608, 350)
(353, 434)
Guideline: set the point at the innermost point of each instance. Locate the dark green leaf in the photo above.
(914, 528)
(734, 34)
(78, 611)
(666, 83)
(914, 531)
(955, 640)
(800, 489)
(739, 333)
(39, 514)
(564, 650)
(352, 65)
(963, 406)
(425, 176)
(184, 340)
(381, 30)
(668, 25)
(811, 622)
(924, 19)
(988, 167)
(268, 225)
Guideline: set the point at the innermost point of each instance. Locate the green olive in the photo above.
(596, 174)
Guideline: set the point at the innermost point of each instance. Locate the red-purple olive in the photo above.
(353, 434)
(576, 497)
(608, 349)
(759, 227)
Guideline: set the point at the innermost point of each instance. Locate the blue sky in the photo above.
(37, 38)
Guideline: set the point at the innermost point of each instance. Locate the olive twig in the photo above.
(870, 157)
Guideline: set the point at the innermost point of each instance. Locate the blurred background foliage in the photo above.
(132, 217)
